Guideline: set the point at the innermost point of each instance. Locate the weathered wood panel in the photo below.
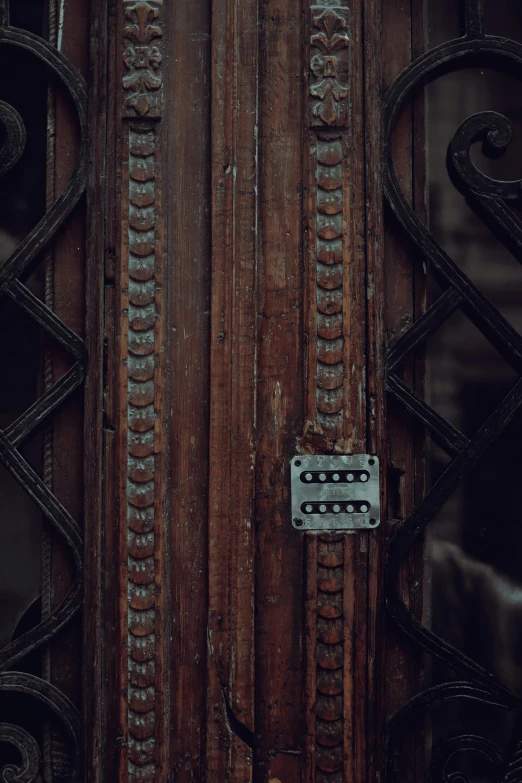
(344, 571)
(233, 371)
(98, 430)
(377, 421)
(186, 172)
(65, 293)
(244, 302)
(68, 302)
(280, 402)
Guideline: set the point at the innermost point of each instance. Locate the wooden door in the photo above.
(233, 237)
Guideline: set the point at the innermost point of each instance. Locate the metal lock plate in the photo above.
(335, 492)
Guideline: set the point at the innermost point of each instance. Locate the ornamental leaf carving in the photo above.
(332, 31)
(325, 64)
(142, 58)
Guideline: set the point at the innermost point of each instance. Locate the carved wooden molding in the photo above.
(140, 286)
(330, 654)
(141, 412)
(329, 286)
(329, 65)
(328, 98)
(330, 382)
(142, 58)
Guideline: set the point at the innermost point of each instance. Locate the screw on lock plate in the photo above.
(335, 492)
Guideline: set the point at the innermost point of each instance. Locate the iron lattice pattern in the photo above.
(491, 200)
(28, 254)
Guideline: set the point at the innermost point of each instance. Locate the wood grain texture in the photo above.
(97, 762)
(244, 300)
(69, 296)
(345, 363)
(68, 300)
(279, 740)
(187, 190)
(377, 417)
(233, 372)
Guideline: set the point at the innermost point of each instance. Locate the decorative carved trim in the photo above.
(328, 118)
(330, 653)
(142, 58)
(142, 83)
(329, 286)
(141, 489)
(329, 66)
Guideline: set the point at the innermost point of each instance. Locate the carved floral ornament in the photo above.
(330, 39)
(142, 57)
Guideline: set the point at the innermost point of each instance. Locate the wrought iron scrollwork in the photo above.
(490, 199)
(29, 752)
(12, 437)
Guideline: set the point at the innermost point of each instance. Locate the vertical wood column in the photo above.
(279, 735)
(230, 728)
(188, 191)
(140, 429)
(65, 283)
(345, 380)
(96, 711)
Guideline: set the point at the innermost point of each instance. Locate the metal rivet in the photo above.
(336, 477)
(364, 509)
(349, 477)
(322, 508)
(337, 509)
(308, 476)
(309, 509)
(322, 476)
(364, 477)
(298, 521)
(350, 509)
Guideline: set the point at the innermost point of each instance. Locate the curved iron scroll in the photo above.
(490, 199)
(27, 254)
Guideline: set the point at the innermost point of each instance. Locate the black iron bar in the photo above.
(48, 320)
(20, 429)
(428, 323)
(490, 199)
(446, 435)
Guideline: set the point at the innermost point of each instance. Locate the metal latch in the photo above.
(335, 492)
